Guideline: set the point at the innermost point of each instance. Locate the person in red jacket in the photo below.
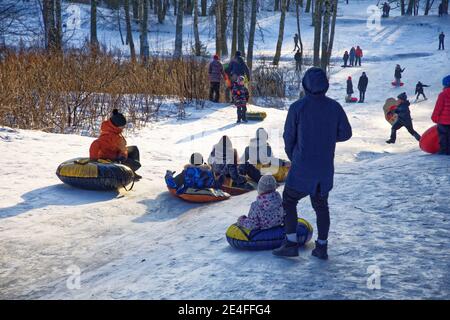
(441, 116)
(359, 54)
(111, 145)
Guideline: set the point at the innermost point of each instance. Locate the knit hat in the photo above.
(446, 81)
(238, 53)
(267, 184)
(403, 96)
(118, 119)
(216, 57)
(196, 159)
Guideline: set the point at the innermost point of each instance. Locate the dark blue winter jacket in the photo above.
(403, 112)
(238, 67)
(313, 126)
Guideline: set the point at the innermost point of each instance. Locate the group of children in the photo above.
(353, 59)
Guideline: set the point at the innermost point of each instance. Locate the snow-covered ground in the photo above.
(390, 207)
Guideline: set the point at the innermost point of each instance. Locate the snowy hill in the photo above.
(390, 207)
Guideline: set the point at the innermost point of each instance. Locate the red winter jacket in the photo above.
(359, 52)
(441, 113)
(110, 145)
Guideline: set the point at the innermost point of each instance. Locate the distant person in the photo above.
(111, 144)
(349, 89)
(345, 58)
(215, 72)
(238, 67)
(404, 119)
(388, 10)
(385, 15)
(352, 56)
(441, 116)
(298, 61)
(419, 90)
(441, 41)
(362, 87)
(441, 9)
(296, 40)
(358, 56)
(313, 126)
(398, 75)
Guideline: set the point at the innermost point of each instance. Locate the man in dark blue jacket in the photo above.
(237, 67)
(313, 126)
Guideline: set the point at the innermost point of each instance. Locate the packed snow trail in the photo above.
(389, 207)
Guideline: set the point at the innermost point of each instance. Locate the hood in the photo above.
(446, 93)
(315, 81)
(108, 127)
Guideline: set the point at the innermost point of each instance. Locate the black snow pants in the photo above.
(444, 138)
(133, 160)
(319, 203)
(241, 113)
(408, 125)
(214, 91)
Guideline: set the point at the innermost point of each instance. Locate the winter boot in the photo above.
(320, 251)
(417, 136)
(287, 249)
(137, 177)
(390, 141)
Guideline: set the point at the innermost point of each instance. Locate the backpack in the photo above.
(197, 178)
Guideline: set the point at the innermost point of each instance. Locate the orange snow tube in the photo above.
(429, 142)
(201, 195)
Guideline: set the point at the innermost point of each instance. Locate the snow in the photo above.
(389, 208)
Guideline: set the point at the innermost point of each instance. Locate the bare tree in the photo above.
(276, 58)
(204, 5)
(197, 45)
(93, 39)
(241, 27)
(251, 36)
(51, 13)
(317, 31)
(234, 27)
(325, 34)
(179, 30)
(223, 27)
(129, 39)
(218, 12)
(297, 11)
(144, 46)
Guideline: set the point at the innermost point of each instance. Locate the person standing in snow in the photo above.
(441, 9)
(345, 58)
(404, 119)
(398, 75)
(215, 72)
(441, 41)
(358, 55)
(238, 67)
(296, 39)
(111, 145)
(267, 211)
(313, 126)
(441, 116)
(298, 61)
(349, 90)
(419, 90)
(352, 56)
(362, 87)
(240, 98)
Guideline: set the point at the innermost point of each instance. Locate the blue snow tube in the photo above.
(268, 239)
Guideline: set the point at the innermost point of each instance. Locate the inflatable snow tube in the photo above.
(395, 84)
(269, 239)
(429, 142)
(229, 187)
(279, 172)
(256, 116)
(389, 106)
(201, 195)
(94, 175)
(351, 100)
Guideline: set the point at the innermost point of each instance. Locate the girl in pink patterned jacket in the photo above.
(267, 211)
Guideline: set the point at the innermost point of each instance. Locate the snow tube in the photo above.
(429, 142)
(351, 100)
(389, 106)
(229, 187)
(279, 172)
(254, 240)
(201, 195)
(395, 84)
(256, 116)
(94, 175)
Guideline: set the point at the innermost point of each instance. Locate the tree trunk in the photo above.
(317, 32)
(204, 5)
(179, 30)
(94, 40)
(251, 36)
(333, 30)
(197, 44)
(276, 58)
(325, 34)
(234, 26)
(308, 6)
(58, 25)
(223, 28)
(297, 11)
(409, 11)
(218, 12)
(402, 7)
(129, 39)
(241, 28)
(276, 5)
(144, 47)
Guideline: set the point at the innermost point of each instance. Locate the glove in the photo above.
(169, 173)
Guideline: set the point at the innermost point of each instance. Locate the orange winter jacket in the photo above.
(110, 145)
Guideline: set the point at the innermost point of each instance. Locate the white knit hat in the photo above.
(267, 184)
